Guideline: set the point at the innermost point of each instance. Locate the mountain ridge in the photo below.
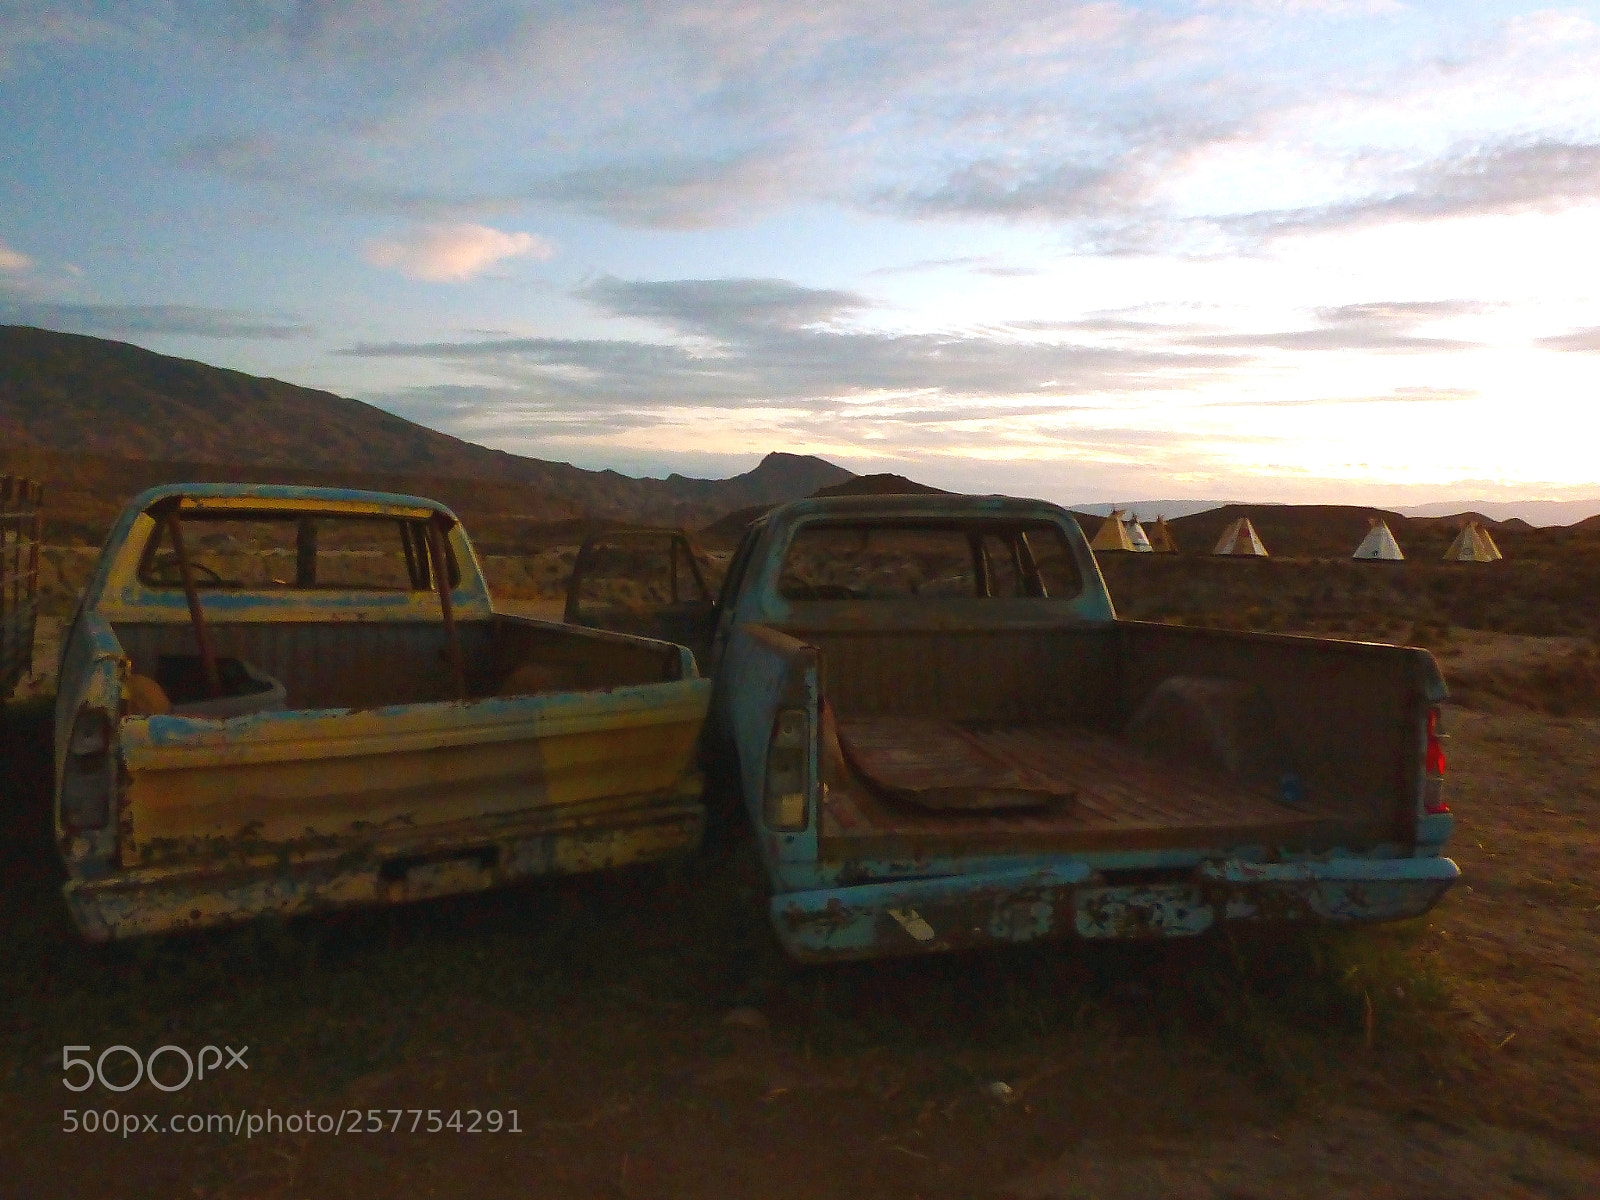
(81, 397)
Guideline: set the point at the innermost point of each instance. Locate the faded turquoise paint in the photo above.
(763, 671)
(823, 910)
(556, 709)
(1060, 900)
(805, 876)
(629, 816)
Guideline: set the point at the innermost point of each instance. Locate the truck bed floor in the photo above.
(1124, 800)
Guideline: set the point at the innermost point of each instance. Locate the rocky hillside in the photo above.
(97, 420)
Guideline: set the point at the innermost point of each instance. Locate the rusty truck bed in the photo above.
(1124, 799)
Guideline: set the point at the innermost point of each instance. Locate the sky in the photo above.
(1342, 251)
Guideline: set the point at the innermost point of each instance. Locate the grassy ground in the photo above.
(1456, 1055)
(1453, 1055)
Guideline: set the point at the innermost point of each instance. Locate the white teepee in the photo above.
(1379, 543)
(1136, 535)
(1240, 538)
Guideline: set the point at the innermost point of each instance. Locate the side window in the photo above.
(637, 571)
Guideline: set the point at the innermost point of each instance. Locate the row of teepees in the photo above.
(1122, 531)
(1472, 544)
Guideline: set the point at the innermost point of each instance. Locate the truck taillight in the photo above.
(91, 733)
(785, 801)
(87, 777)
(1433, 769)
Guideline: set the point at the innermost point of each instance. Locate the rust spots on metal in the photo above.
(946, 765)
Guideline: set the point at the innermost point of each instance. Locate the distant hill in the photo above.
(1149, 510)
(729, 529)
(879, 485)
(93, 400)
(1540, 513)
(1531, 513)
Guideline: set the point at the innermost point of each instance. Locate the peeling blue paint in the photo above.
(1065, 900)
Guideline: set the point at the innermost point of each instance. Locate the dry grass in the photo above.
(595, 1006)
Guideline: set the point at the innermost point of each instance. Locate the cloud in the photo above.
(726, 307)
(452, 253)
(1583, 341)
(13, 260)
(1400, 395)
(28, 23)
(755, 343)
(934, 264)
(1374, 327)
(1495, 179)
(1089, 114)
(117, 320)
(681, 191)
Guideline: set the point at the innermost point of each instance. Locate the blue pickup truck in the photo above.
(944, 737)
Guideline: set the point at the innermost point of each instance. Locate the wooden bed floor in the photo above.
(1123, 797)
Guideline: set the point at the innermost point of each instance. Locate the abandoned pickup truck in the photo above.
(280, 699)
(944, 737)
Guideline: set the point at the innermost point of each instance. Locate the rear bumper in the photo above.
(135, 903)
(1065, 901)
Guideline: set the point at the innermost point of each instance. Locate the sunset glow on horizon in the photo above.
(1342, 251)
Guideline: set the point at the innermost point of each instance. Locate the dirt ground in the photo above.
(652, 1043)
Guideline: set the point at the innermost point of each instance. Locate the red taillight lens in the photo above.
(1433, 766)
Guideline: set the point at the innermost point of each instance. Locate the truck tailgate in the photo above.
(326, 779)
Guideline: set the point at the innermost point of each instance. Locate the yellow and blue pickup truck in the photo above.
(280, 699)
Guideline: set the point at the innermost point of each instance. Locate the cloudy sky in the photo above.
(1335, 250)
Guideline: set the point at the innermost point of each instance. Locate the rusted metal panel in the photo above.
(925, 915)
(1122, 799)
(202, 791)
(633, 830)
(1066, 899)
(1064, 671)
(329, 664)
(382, 781)
(945, 765)
(1347, 710)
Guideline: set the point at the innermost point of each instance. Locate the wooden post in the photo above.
(441, 580)
(202, 636)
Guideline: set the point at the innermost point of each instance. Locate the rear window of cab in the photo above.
(878, 560)
(250, 551)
